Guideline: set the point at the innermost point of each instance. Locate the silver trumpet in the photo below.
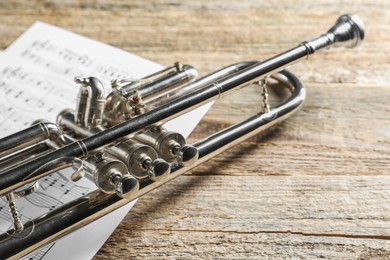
(117, 140)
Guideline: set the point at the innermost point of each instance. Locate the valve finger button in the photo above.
(187, 155)
(159, 170)
(126, 187)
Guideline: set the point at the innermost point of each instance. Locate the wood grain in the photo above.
(316, 186)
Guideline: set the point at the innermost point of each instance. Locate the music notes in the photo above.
(64, 61)
(55, 190)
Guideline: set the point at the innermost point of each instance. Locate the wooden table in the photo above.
(317, 186)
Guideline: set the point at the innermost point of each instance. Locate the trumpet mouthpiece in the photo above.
(347, 32)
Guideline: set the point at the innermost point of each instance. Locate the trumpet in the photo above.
(117, 140)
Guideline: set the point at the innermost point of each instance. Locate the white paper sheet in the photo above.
(36, 81)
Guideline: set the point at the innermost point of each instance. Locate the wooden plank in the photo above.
(309, 205)
(161, 244)
(208, 216)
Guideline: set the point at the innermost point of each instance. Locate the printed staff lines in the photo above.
(63, 184)
(45, 98)
(44, 53)
(40, 254)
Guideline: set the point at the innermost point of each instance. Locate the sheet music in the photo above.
(36, 81)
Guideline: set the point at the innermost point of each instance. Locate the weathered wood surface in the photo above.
(317, 186)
